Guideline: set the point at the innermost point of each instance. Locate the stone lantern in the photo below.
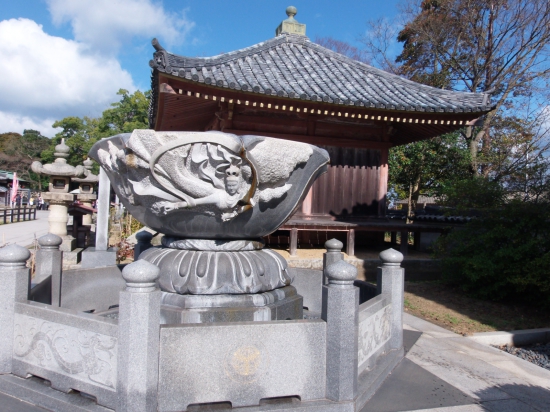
(60, 173)
(86, 186)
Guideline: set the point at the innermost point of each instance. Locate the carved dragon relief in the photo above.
(373, 333)
(70, 351)
(210, 173)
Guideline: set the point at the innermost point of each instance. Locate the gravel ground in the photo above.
(538, 354)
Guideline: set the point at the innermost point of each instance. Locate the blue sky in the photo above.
(69, 57)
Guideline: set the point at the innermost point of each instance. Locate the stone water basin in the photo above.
(209, 185)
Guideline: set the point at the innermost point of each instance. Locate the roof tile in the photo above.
(292, 66)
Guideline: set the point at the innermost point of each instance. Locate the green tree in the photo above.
(427, 167)
(504, 254)
(81, 133)
(130, 113)
(477, 194)
(499, 47)
(17, 152)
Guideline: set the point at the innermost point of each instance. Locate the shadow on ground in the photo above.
(522, 398)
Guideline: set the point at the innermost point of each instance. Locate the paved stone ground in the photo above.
(445, 372)
(10, 404)
(23, 233)
(441, 372)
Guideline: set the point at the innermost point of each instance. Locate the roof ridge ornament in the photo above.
(156, 45)
(291, 25)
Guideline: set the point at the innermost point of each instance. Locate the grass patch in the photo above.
(450, 308)
(408, 304)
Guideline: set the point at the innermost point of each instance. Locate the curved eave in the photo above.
(314, 98)
(290, 66)
(204, 92)
(184, 101)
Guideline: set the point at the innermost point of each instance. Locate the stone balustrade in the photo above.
(132, 362)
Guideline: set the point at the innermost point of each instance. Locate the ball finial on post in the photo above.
(391, 257)
(140, 276)
(49, 241)
(291, 11)
(341, 273)
(334, 245)
(14, 256)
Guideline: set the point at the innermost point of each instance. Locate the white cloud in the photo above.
(107, 24)
(48, 77)
(11, 122)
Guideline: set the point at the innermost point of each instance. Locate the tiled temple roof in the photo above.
(291, 66)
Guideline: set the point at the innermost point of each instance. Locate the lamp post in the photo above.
(60, 173)
(86, 186)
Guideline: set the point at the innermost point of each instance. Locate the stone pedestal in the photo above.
(58, 218)
(93, 258)
(223, 281)
(278, 304)
(207, 272)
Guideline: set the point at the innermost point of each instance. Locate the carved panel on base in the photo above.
(374, 332)
(83, 355)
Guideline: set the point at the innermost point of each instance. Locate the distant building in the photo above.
(291, 88)
(6, 180)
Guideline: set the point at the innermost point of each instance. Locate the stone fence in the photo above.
(135, 363)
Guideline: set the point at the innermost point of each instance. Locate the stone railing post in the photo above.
(340, 311)
(333, 254)
(49, 262)
(143, 243)
(15, 285)
(138, 338)
(391, 281)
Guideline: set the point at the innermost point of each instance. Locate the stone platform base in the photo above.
(73, 257)
(35, 391)
(92, 258)
(278, 304)
(68, 244)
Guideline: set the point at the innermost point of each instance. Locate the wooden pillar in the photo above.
(393, 238)
(351, 243)
(404, 249)
(382, 182)
(306, 204)
(293, 241)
